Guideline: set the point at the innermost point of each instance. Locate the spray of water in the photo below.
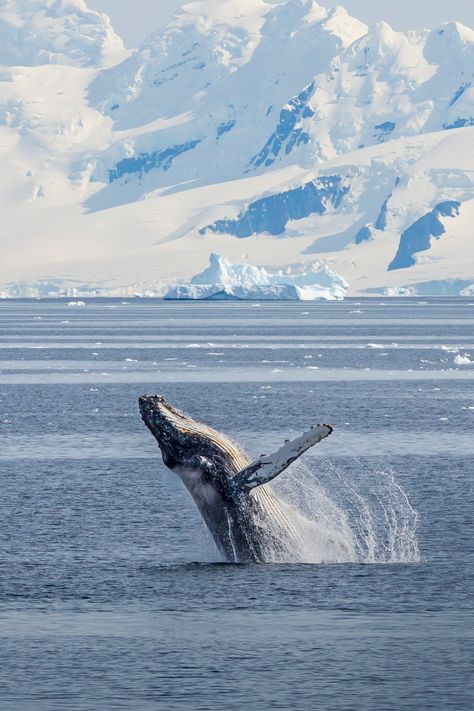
(352, 512)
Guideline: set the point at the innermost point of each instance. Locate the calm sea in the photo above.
(112, 596)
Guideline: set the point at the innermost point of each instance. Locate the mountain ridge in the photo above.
(127, 176)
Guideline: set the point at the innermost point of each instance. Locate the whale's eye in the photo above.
(197, 462)
(204, 465)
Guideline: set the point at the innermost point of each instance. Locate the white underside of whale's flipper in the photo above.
(268, 466)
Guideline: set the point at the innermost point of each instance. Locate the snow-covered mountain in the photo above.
(34, 32)
(272, 132)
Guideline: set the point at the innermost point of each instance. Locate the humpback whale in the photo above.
(247, 521)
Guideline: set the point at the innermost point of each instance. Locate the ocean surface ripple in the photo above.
(112, 596)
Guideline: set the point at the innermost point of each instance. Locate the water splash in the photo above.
(355, 511)
(352, 511)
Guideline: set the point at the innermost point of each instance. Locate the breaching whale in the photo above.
(245, 518)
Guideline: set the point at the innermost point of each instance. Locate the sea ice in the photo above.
(463, 360)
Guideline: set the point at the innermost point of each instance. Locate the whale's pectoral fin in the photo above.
(268, 466)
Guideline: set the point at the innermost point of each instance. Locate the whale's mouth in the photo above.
(154, 404)
(167, 426)
(180, 437)
(164, 419)
(161, 418)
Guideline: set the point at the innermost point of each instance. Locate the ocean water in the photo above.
(112, 596)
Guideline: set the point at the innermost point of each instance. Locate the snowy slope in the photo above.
(34, 32)
(388, 85)
(270, 132)
(222, 71)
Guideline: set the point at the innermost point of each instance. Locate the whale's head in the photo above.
(186, 444)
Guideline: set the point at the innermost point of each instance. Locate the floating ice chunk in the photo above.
(223, 280)
(76, 303)
(463, 360)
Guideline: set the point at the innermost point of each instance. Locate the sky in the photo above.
(135, 19)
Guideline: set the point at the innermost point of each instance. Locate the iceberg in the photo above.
(223, 280)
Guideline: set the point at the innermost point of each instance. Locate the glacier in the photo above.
(223, 281)
(286, 124)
